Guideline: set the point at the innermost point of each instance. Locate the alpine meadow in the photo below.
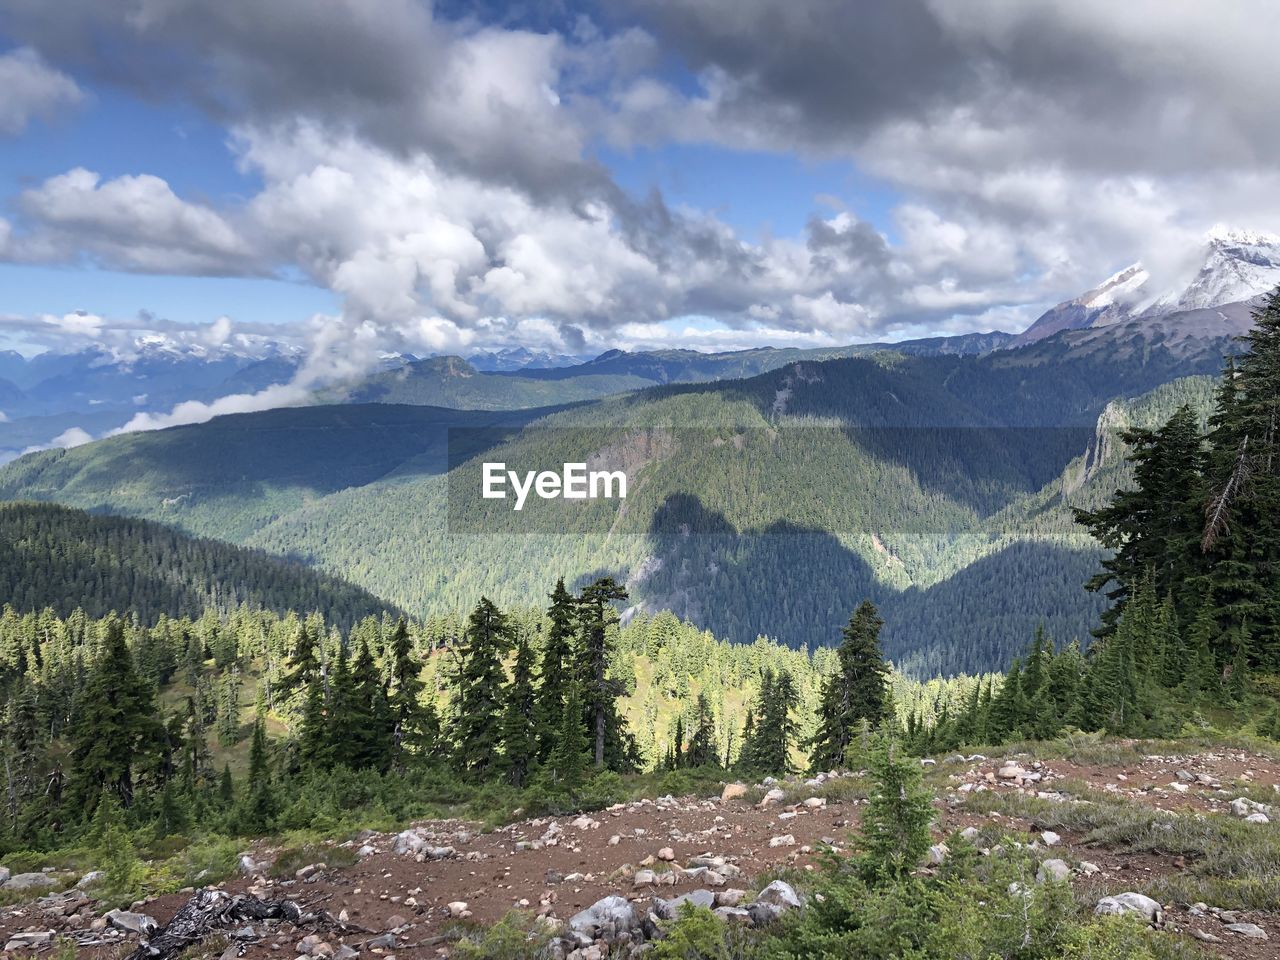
(696, 480)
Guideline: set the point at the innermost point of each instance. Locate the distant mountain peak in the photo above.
(1233, 265)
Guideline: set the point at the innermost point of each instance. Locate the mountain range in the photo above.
(772, 489)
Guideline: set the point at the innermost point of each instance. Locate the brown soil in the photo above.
(499, 871)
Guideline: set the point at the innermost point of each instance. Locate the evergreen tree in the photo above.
(857, 691)
(116, 726)
(259, 807)
(404, 695)
(702, 750)
(598, 617)
(566, 768)
(897, 816)
(477, 720)
(556, 669)
(519, 730)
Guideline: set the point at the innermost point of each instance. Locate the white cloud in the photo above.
(31, 89)
(71, 437)
(135, 223)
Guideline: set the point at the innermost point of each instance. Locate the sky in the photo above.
(367, 176)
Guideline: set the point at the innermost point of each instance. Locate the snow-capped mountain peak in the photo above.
(1231, 265)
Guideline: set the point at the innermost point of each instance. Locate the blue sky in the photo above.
(718, 173)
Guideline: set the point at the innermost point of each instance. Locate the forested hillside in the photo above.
(452, 382)
(65, 560)
(761, 506)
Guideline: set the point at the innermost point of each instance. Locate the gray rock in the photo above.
(249, 866)
(29, 940)
(409, 841)
(90, 878)
(1250, 930)
(670, 909)
(29, 881)
(129, 922)
(1055, 871)
(780, 894)
(606, 919)
(763, 914)
(733, 915)
(1134, 903)
(5, 874)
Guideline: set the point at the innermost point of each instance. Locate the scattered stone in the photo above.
(1134, 903)
(29, 940)
(136, 923)
(773, 796)
(780, 893)
(669, 909)
(29, 881)
(1050, 838)
(730, 897)
(815, 803)
(786, 840)
(91, 878)
(1250, 930)
(458, 908)
(733, 791)
(1257, 818)
(667, 854)
(1053, 871)
(606, 919)
(644, 878)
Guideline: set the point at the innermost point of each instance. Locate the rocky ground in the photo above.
(609, 875)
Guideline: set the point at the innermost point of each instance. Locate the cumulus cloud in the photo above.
(440, 175)
(71, 437)
(31, 88)
(133, 223)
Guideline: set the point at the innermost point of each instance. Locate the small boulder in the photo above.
(667, 854)
(90, 879)
(1134, 903)
(1053, 871)
(606, 919)
(29, 940)
(785, 840)
(780, 893)
(1250, 930)
(670, 909)
(733, 791)
(29, 881)
(773, 796)
(1050, 839)
(129, 922)
(458, 908)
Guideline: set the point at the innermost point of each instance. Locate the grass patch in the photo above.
(1234, 865)
(292, 859)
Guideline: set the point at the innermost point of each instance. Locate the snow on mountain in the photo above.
(520, 358)
(1233, 266)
